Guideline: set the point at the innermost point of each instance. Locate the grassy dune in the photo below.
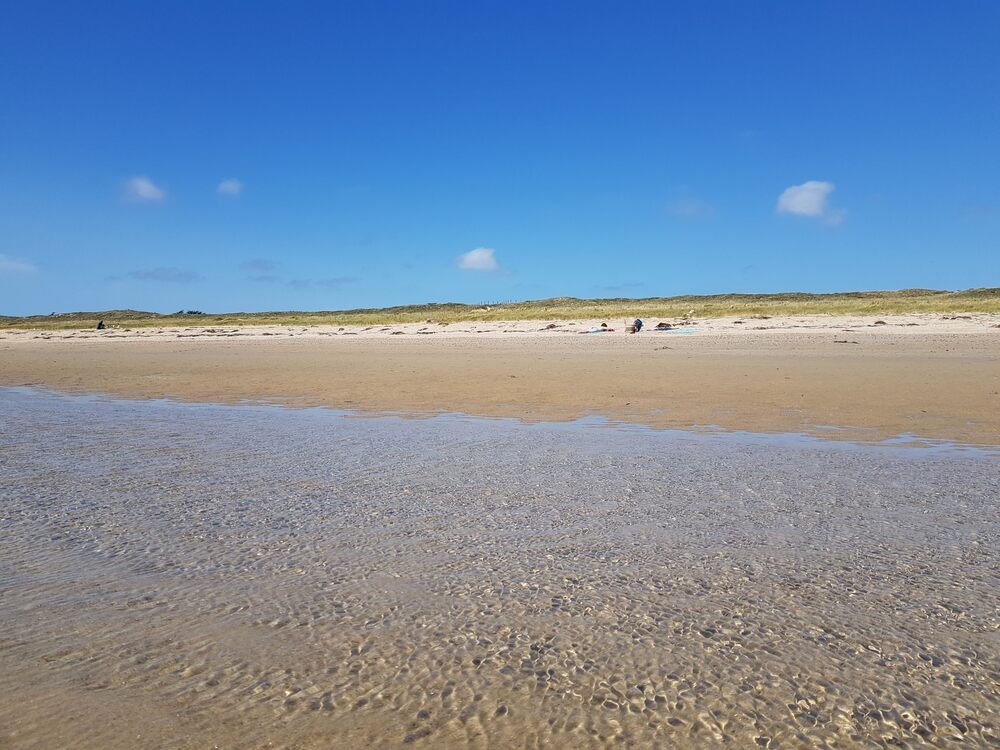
(559, 308)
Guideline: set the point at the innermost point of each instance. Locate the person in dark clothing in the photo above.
(100, 325)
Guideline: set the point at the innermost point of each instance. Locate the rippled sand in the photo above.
(190, 576)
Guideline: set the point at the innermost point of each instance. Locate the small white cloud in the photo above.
(231, 186)
(480, 259)
(143, 189)
(12, 265)
(810, 199)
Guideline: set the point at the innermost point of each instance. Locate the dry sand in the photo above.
(928, 375)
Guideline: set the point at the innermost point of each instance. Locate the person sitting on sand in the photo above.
(635, 327)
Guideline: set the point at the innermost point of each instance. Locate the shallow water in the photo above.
(190, 576)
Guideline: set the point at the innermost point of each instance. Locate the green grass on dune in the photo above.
(558, 308)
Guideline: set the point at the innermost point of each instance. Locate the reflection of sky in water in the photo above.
(707, 434)
(442, 579)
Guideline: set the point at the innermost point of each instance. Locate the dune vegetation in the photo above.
(556, 308)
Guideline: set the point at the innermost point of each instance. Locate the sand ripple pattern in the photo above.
(190, 576)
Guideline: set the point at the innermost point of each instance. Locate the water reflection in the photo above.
(258, 576)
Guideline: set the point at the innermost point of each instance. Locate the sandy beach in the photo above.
(189, 563)
(931, 376)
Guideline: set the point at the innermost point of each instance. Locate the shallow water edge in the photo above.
(180, 575)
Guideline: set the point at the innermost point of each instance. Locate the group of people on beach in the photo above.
(603, 328)
(635, 327)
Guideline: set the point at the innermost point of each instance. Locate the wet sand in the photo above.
(191, 576)
(928, 375)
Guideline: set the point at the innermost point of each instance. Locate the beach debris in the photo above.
(549, 327)
(879, 323)
(760, 317)
(737, 322)
(844, 341)
(956, 317)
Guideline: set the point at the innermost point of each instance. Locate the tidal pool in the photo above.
(197, 576)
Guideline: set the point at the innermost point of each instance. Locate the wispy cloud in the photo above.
(810, 199)
(981, 210)
(263, 275)
(332, 283)
(480, 259)
(258, 264)
(164, 275)
(231, 186)
(143, 189)
(13, 265)
(690, 208)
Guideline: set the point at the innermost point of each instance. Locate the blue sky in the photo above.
(251, 156)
